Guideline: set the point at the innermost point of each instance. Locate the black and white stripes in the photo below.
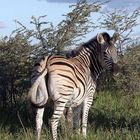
(72, 82)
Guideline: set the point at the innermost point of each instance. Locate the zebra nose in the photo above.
(115, 69)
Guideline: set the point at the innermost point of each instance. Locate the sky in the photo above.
(22, 11)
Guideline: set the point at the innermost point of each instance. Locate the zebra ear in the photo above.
(100, 39)
(115, 37)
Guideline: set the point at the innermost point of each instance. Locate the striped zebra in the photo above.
(71, 82)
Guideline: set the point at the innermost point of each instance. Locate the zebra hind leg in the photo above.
(86, 106)
(58, 111)
(39, 121)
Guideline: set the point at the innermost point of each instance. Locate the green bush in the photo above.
(14, 69)
(129, 77)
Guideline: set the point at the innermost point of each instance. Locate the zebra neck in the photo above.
(89, 59)
(95, 67)
(84, 57)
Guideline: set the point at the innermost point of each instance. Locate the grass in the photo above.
(113, 116)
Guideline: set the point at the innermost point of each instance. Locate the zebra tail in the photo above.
(38, 94)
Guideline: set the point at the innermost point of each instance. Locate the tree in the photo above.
(53, 39)
(123, 22)
(14, 69)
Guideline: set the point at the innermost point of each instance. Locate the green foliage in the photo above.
(14, 68)
(112, 116)
(115, 111)
(129, 77)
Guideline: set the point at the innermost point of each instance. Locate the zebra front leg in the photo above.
(39, 121)
(86, 106)
(58, 111)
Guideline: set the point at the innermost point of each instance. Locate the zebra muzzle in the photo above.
(115, 69)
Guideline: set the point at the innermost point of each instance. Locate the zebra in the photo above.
(72, 82)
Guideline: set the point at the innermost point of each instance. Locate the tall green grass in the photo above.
(113, 116)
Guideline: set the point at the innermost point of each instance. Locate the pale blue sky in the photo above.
(25, 9)
(22, 11)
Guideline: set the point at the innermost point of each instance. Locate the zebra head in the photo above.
(108, 57)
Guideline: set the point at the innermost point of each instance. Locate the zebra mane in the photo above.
(73, 53)
(77, 50)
